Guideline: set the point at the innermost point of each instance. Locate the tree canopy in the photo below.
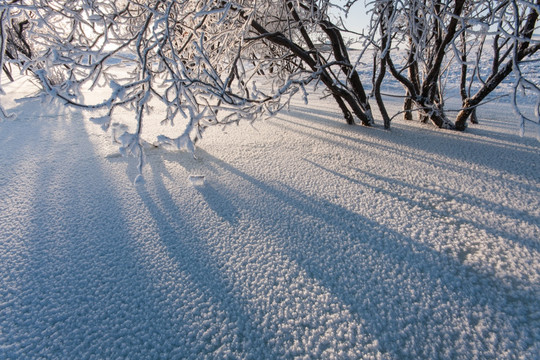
(219, 62)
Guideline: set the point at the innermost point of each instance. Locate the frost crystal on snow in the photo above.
(196, 180)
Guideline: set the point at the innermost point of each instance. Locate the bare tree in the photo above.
(440, 35)
(512, 47)
(427, 29)
(202, 62)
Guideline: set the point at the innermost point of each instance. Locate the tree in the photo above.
(218, 43)
(335, 70)
(13, 43)
(438, 35)
(427, 29)
(201, 62)
(512, 47)
(219, 61)
(383, 14)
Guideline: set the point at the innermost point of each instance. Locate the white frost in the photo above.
(314, 239)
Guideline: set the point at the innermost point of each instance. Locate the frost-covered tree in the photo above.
(383, 15)
(292, 30)
(13, 42)
(423, 41)
(200, 63)
(203, 63)
(427, 30)
(506, 35)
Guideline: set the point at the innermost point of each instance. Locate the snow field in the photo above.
(308, 239)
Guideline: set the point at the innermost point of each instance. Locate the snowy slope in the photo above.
(308, 239)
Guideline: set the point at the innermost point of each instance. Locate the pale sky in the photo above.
(357, 19)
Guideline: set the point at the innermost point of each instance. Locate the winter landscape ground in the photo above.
(309, 238)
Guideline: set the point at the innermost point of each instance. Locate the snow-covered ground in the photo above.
(308, 239)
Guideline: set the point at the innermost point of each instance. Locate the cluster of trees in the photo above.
(220, 61)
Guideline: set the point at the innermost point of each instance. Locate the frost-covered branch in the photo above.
(185, 63)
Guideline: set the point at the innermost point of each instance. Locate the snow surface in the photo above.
(307, 238)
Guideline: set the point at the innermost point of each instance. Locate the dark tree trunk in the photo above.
(341, 55)
(415, 80)
(472, 102)
(463, 90)
(408, 107)
(428, 110)
(426, 95)
(378, 97)
(384, 15)
(435, 70)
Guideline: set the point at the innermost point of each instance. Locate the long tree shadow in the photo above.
(218, 203)
(347, 140)
(78, 289)
(80, 267)
(509, 153)
(433, 197)
(491, 117)
(214, 198)
(182, 233)
(516, 162)
(415, 300)
(501, 209)
(515, 155)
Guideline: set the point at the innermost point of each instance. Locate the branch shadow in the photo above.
(510, 153)
(526, 173)
(216, 200)
(76, 281)
(416, 301)
(77, 285)
(219, 204)
(433, 198)
(195, 253)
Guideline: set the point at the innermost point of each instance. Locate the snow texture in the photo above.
(307, 238)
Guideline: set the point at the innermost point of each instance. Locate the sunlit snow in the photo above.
(300, 237)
